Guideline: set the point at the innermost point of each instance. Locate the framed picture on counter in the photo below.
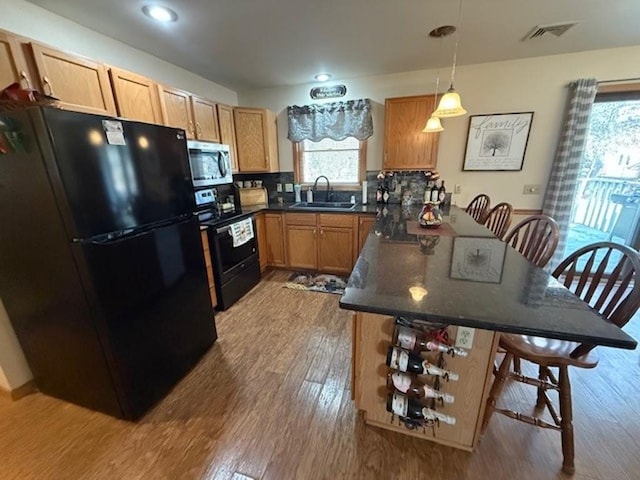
(478, 259)
(497, 142)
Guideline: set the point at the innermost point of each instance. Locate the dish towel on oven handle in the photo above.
(241, 232)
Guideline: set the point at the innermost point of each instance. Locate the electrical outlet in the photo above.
(278, 187)
(464, 337)
(288, 187)
(531, 190)
(457, 189)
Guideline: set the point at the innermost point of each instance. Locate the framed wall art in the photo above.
(497, 142)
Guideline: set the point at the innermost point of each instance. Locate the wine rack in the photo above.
(424, 347)
(452, 402)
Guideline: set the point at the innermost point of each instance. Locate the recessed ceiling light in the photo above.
(322, 77)
(160, 13)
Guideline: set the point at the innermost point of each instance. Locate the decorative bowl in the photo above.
(430, 215)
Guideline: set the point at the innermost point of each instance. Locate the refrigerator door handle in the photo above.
(125, 235)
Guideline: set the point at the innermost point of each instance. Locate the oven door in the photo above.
(230, 260)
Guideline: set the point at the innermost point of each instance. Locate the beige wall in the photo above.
(14, 371)
(537, 84)
(44, 26)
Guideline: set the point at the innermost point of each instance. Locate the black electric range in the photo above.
(236, 268)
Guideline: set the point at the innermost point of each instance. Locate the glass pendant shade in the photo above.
(433, 125)
(450, 105)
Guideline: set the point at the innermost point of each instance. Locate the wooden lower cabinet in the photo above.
(274, 240)
(302, 247)
(207, 261)
(261, 232)
(323, 242)
(372, 335)
(365, 223)
(335, 250)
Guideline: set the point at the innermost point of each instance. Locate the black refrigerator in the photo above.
(101, 264)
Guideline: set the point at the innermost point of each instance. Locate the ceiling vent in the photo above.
(556, 29)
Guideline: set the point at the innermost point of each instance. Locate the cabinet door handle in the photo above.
(24, 77)
(314, 232)
(191, 129)
(47, 82)
(198, 129)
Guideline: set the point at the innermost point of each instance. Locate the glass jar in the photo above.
(430, 215)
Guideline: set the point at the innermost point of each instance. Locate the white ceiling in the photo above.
(245, 44)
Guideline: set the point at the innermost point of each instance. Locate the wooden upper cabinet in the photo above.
(406, 147)
(228, 132)
(136, 96)
(176, 109)
(79, 83)
(13, 67)
(205, 119)
(257, 139)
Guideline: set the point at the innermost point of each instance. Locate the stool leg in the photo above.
(496, 388)
(566, 424)
(542, 376)
(516, 365)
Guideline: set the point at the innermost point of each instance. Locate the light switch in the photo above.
(279, 187)
(288, 187)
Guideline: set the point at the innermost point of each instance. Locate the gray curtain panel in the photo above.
(563, 180)
(337, 121)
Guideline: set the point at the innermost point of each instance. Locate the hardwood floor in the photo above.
(272, 400)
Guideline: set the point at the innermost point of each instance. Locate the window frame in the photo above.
(362, 167)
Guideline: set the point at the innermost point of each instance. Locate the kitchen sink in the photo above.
(333, 206)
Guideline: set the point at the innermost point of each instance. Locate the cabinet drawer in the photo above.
(336, 220)
(306, 219)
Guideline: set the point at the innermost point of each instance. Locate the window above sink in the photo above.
(342, 161)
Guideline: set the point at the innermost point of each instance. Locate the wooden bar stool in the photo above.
(499, 218)
(478, 207)
(615, 293)
(536, 238)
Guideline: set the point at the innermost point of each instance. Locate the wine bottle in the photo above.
(406, 407)
(434, 192)
(411, 387)
(413, 340)
(399, 359)
(442, 192)
(427, 192)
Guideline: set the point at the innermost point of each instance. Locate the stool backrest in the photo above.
(536, 238)
(605, 275)
(499, 218)
(478, 207)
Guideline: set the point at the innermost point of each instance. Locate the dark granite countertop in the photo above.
(471, 278)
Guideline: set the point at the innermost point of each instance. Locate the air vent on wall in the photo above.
(556, 29)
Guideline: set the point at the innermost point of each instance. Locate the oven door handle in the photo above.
(222, 230)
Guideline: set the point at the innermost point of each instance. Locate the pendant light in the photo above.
(433, 124)
(450, 104)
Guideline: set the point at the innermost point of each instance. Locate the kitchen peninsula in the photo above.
(457, 276)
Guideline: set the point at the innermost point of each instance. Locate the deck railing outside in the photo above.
(594, 207)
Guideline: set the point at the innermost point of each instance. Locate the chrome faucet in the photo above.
(315, 188)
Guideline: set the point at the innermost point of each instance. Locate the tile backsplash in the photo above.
(404, 187)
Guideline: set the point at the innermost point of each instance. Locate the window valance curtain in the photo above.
(337, 121)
